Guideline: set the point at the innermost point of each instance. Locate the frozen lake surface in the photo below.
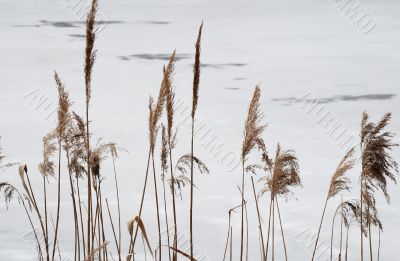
(304, 49)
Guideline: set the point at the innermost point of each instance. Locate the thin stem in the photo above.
(347, 241)
(133, 241)
(105, 255)
(341, 232)
(89, 174)
(227, 238)
(46, 238)
(31, 196)
(273, 229)
(191, 191)
(58, 199)
(230, 249)
(361, 215)
(119, 210)
(113, 229)
(369, 232)
(77, 239)
(81, 218)
(242, 217)
(32, 225)
(283, 236)
(379, 243)
(333, 225)
(247, 233)
(175, 243)
(157, 206)
(259, 220)
(319, 229)
(269, 229)
(166, 217)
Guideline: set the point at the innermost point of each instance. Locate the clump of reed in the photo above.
(71, 141)
(377, 168)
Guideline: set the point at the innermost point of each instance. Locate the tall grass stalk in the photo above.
(259, 221)
(195, 98)
(252, 139)
(339, 182)
(90, 56)
(281, 226)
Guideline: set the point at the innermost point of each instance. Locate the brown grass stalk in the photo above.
(268, 230)
(259, 220)
(62, 117)
(23, 171)
(171, 143)
(157, 206)
(154, 116)
(114, 155)
(90, 56)
(252, 139)
(377, 166)
(76, 224)
(282, 234)
(196, 83)
(339, 182)
(164, 170)
(117, 244)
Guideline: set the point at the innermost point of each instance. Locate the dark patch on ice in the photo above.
(62, 24)
(68, 24)
(231, 88)
(222, 65)
(80, 36)
(387, 96)
(240, 78)
(156, 56)
(337, 98)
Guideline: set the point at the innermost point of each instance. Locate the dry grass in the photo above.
(71, 137)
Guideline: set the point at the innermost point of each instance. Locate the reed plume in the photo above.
(153, 134)
(169, 146)
(154, 117)
(284, 175)
(195, 100)
(252, 139)
(377, 165)
(62, 123)
(46, 168)
(339, 183)
(90, 57)
(164, 172)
